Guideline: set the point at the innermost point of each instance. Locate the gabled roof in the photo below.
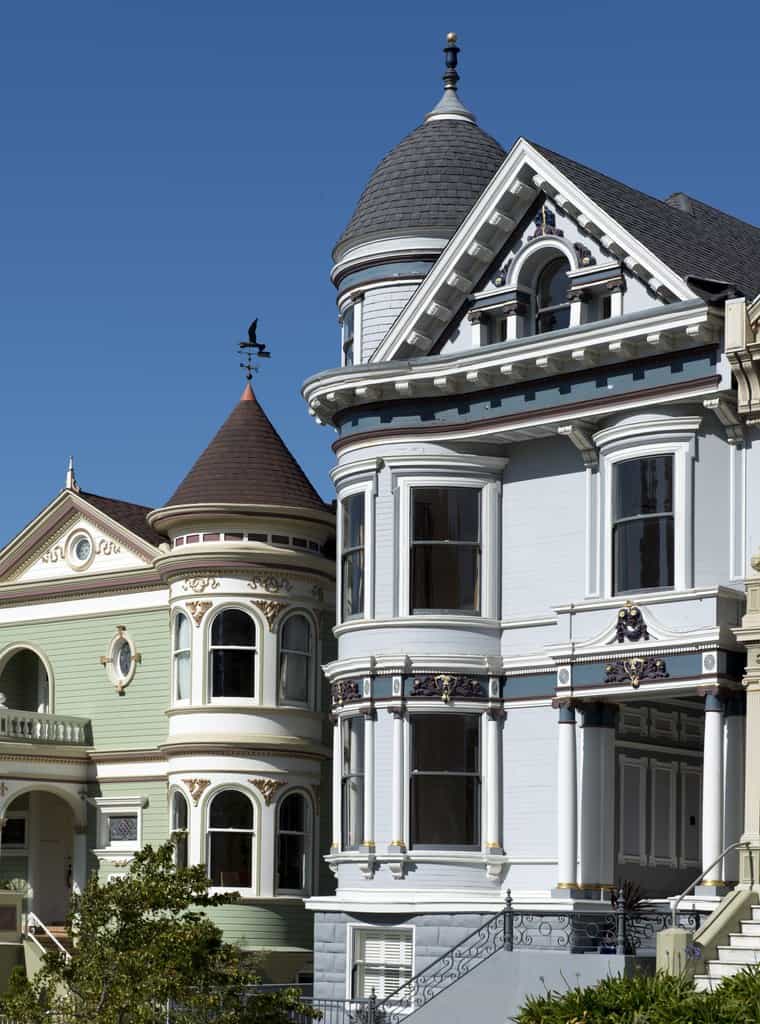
(694, 239)
(132, 517)
(247, 463)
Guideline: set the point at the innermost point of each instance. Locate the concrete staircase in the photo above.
(743, 949)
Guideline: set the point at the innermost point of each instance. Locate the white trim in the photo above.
(108, 807)
(234, 603)
(632, 431)
(369, 489)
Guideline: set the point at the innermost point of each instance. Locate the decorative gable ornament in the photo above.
(630, 624)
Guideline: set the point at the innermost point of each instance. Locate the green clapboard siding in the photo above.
(81, 686)
(265, 926)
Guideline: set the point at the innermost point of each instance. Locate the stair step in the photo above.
(704, 983)
(740, 940)
(738, 954)
(750, 927)
(724, 969)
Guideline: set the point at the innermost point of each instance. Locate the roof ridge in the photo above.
(121, 501)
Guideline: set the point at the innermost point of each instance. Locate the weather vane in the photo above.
(252, 349)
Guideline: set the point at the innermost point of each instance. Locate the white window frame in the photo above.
(312, 658)
(224, 787)
(670, 770)
(489, 486)
(357, 301)
(352, 929)
(308, 835)
(259, 636)
(175, 698)
(369, 489)
(112, 807)
(640, 764)
(624, 446)
(173, 794)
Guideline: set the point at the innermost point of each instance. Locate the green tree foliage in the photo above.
(144, 946)
(642, 999)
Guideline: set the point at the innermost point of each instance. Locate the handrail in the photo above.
(33, 922)
(690, 886)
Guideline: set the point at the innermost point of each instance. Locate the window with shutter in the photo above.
(382, 961)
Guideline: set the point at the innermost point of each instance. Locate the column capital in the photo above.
(566, 710)
(397, 712)
(495, 712)
(714, 697)
(369, 713)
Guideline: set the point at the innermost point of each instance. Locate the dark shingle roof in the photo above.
(428, 182)
(247, 463)
(129, 515)
(689, 236)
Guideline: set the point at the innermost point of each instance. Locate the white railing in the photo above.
(33, 926)
(31, 726)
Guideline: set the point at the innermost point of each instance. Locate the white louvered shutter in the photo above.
(383, 961)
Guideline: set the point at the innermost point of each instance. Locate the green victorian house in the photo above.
(159, 675)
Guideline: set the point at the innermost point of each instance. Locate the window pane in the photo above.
(230, 858)
(553, 320)
(353, 583)
(353, 521)
(293, 814)
(643, 554)
(296, 634)
(122, 828)
(233, 628)
(182, 661)
(446, 513)
(290, 862)
(348, 323)
(231, 810)
(294, 677)
(644, 486)
(14, 832)
(445, 810)
(181, 633)
(233, 673)
(353, 812)
(553, 283)
(445, 577)
(445, 743)
(179, 816)
(180, 850)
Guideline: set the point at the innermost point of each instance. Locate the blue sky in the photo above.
(171, 169)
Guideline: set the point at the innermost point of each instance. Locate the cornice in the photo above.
(69, 589)
(171, 515)
(300, 749)
(237, 561)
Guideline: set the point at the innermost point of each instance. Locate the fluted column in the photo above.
(567, 796)
(369, 778)
(397, 780)
(712, 795)
(493, 779)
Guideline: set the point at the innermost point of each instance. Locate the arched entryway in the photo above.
(38, 848)
(24, 680)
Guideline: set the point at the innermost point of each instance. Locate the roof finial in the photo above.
(451, 75)
(71, 480)
(252, 349)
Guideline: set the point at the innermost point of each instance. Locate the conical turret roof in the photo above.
(247, 463)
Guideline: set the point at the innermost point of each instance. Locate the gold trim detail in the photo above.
(268, 788)
(197, 788)
(272, 611)
(198, 609)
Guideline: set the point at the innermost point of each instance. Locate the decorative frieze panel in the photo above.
(197, 584)
(635, 671)
(345, 691)
(270, 583)
(447, 687)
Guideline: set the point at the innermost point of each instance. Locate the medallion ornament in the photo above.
(630, 624)
(272, 611)
(344, 692)
(269, 788)
(198, 609)
(635, 671)
(200, 583)
(446, 687)
(196, 788)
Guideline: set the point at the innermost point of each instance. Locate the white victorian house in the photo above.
(545, 412)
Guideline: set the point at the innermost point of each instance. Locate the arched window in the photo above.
(233, 654)
(182, 657)
(229, 855)
(293, 844)
(180, 826)
(295, 660)
(552, 304)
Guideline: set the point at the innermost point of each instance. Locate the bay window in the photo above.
(233, 654)
(182, 657)
(445, 780)
(180, 825)
(296, 646)
(643, 530)
(229, 851)
(293, 844)
(352, 782)
(445, 549)
(352, 555)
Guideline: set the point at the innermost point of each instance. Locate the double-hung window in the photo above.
(352, 782)
(445, 780)
(353, 535)
(381, 962)
(643, 533)
(445, 550)
(347, 335)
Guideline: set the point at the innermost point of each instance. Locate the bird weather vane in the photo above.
(252, 349)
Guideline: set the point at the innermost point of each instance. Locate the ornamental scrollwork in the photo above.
(630, 624)
(107, 547)
(344, 692)
(198, 609)
(268, 788)
(196, 788)
(272, 611)
(200, 583)
(635, 671)
(446, 687)
(55, 554)
(270, 583)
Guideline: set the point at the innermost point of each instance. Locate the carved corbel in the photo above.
(579, 435)
(743, 353)
(726, 412)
